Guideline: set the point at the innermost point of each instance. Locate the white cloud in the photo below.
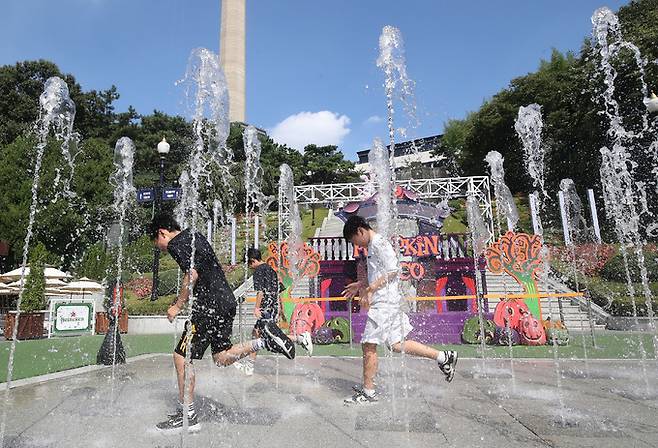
(373, 119)
(320, 128)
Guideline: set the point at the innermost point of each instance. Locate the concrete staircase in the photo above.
(331, 226)
(574, 310)
(246, 309)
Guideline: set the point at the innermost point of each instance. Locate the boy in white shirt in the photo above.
(387, 323)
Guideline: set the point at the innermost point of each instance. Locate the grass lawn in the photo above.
(42, 356)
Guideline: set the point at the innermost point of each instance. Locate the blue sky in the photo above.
(311, 72)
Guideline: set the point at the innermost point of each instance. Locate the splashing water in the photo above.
(504, 200)
(56, 113)
(528, 126)
(380, 167)
(609, 42)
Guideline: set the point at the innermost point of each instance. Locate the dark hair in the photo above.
(253, 254)
(353, 224)
(162, 221)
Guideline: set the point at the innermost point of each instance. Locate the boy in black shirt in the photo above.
(268, 306)
(213, 311)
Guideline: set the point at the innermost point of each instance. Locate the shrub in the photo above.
(141, 287)
(94, 263)
(590, 259)
(615, 270)
(34, 295)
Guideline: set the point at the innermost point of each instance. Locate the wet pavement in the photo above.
(300, 403)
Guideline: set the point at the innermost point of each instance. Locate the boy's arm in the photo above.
(259, 301)
(183, 295)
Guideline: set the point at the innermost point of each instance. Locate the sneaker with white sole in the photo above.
(449, 366)
(306, 342)
(174, 424)
(246, 366)
(360, 397)
(276, 341)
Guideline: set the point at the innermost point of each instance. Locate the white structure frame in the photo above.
(335, 195)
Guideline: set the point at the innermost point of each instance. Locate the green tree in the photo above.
(34, 294)
(326, 165)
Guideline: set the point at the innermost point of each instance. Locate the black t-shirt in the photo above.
(212, 293)
(267, 282)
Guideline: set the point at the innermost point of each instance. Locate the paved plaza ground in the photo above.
(299, 403)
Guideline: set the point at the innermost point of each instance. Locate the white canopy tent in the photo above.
(48, 272)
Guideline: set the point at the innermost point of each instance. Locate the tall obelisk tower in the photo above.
(232, 55)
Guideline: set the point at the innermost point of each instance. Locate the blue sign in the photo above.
(171, 194)
(145, 194)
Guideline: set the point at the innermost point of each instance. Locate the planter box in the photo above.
(155, 325)
(102, 322)
(30, 325)
(629, 324)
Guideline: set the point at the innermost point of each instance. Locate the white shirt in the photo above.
(382, 260)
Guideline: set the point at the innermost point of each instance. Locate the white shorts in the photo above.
(386, 326)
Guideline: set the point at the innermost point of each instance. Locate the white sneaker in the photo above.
(306, 342)
(246, 366)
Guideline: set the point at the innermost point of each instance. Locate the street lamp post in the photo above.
(163, 150)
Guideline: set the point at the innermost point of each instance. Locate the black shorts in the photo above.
(267, 315)
(214, 331)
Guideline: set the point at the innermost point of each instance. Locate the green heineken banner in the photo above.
(71, 317)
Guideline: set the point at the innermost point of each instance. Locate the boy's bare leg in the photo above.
(228, 357)
(369, 365)
(179, 363)
(255, 334)
(416, 349)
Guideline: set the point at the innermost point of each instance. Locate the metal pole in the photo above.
(256, 224)
(233, 234)
(565, 219)
(534, 213)
(156, 251)
(595, 216)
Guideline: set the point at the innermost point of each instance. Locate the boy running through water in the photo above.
(268, 306)
(211, 320)
(387, 323)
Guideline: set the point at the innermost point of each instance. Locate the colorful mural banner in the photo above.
(307, 265)
(521, 256)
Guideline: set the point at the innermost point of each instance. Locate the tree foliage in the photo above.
(568, 88)
(73, 228)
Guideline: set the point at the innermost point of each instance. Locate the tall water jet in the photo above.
(207, 97)
(480, 236)
(253, 173)
(57, 114)
(381, 168)
(528, 126)
(504, 201)
(576, 230)
(294, 235)
(112, 351)
(505, 210)
(622, 197)
(397, 85)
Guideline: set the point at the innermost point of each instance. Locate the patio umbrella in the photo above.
(48, 272)
(6, 291)
(81, 286)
